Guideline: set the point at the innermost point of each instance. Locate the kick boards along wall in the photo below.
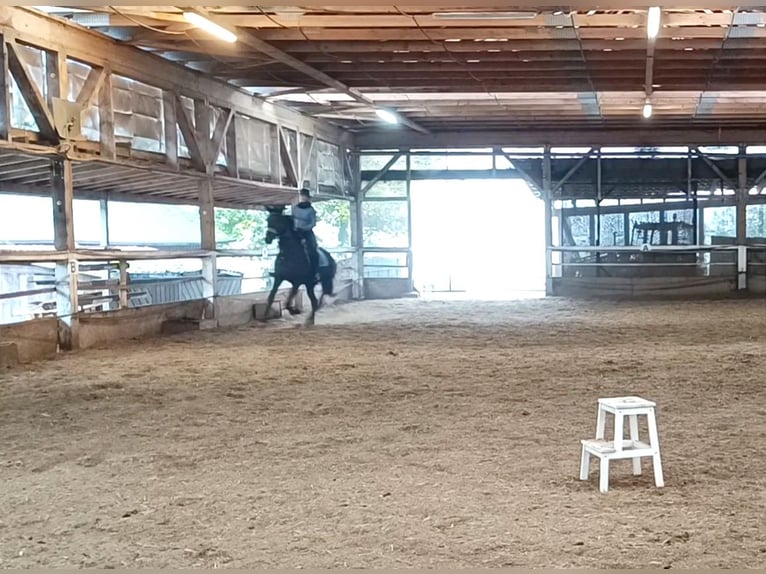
(719, 279)
(39, 338)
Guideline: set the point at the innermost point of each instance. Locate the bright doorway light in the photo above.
(477, 239)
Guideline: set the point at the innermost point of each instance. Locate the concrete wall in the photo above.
(654, 287)
(756, 285)
(107, 328)
(104, 329)
(36, 339)
(386, 288)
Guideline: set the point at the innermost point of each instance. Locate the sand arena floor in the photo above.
(406, 433)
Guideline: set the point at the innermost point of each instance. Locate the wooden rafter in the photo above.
(190, 136)
(218, 136)
(251, 40)
(32, 96)
(90, 90)
(565, 67)
(287, 160)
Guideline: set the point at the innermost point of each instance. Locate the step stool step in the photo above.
(630, 448)
(623, 403)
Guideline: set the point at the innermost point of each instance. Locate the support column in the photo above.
(410, 265)
(107, 141)
(691, 191)
(626, 231)
(5, 97)
(547, 197)
(207, 228)
(123, 284)
(202, 117)
(357, 237)
(742, 218)
(66, 272)
(104, 228)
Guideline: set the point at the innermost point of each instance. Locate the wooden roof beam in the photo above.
(374, 19)
(77, 43)
(649, 74)
(706, 101)
(598, 134)
(542, 45)
(249, 39)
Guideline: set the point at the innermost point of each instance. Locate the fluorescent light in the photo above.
(210, 27)
(484, 15)
(387, 116)
(653, 22)
(647, 111)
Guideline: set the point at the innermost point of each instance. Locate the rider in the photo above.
(305, 218)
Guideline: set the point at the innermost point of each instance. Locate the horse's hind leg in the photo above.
(289, 306)
(314, 305)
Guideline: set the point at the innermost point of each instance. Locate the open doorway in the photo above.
(477, 239)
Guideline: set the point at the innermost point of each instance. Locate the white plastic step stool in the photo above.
(619, 448)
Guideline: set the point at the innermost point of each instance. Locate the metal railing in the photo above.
(643, 261)
(104, 280)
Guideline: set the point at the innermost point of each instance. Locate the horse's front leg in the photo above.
(289, 306)
(272, 295)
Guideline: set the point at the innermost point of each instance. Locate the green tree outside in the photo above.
(246, 229)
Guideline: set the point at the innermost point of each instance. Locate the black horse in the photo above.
(292, 264)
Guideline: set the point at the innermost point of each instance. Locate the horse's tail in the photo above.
(326, 276)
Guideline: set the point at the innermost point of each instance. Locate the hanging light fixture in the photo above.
(484, 15)
(647, 110)
(210, 27)
(653, 22)
(387, 116)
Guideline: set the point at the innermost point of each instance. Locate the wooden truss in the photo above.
(206, 125)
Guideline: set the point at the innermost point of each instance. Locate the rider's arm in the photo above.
(313, 217)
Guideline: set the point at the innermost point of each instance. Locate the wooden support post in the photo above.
(548, 198)
(67, 303)
(123, 284)
(626, 239)
(357, 238)
(306, 165)
(599, 198)
(57, 77)
(106, 119)
(276, 155)
(232, 166)
(287, 160)
(190, 133)
(742, 219)
(202, 118)
(207, 228)
(299, 159)
(170, 126)
(5, 93)
(410, 265)
(104, 227)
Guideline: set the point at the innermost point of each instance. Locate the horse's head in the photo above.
(277, 223)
